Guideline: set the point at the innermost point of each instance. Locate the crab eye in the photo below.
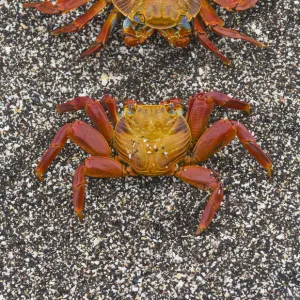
(131, 109)
(184, 19)
(170, 109)
(139, 18)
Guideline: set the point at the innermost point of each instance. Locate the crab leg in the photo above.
(236, 4)
(211, 19)
(135, 35)
(94, 166)
(201, 106)
(83, 19)
(201, 34)
(61, 6)
(204, 179)
(221, 134)
(94, 111)
(80, 133)
(105, 31)
(109, 103)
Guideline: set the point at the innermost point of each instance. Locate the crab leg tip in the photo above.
(227, 62)
(199, 231)
(79, 214)
(270, 173)
(94, 48)
(39, 176)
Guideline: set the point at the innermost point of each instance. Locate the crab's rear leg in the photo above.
(83, 19)
(221, 134)
(201, 34)
(201, 106)
(61, 6)
(204, 179)
(135, 34)
(94, 111)
(105, 31)
(94, 166)
(80, 133)
(211, 19)
(236, 4)
(178, 36)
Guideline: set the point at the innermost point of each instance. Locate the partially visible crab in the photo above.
(173, 19)
(152, 140)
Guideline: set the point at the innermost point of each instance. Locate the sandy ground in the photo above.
(131, 245)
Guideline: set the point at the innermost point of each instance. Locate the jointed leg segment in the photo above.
(201, 106)
(80, 133)
(83, 19)
(61, 6)
(236, 4)
(94, 166)
(94, 111)
(204, 179)
(221, 134)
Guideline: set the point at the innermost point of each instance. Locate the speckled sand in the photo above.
(131, 246)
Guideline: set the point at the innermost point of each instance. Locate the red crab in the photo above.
(173, 19)
(152, 140)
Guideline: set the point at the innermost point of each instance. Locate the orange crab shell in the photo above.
(157, 13)
(152, 138)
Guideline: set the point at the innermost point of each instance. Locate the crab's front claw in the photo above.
(178, 37)
(133, 34)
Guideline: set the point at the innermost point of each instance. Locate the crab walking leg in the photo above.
(221, 134)
(204, 179)
(225, 101)
(201, 34)
(83, 19)
(94, 166)
(94, 111)
(135, 34)
(80, 133)
(236, 4)
(210, 19)
(201, 105)
(105, 31)
(61, 6)
(249, 143)
(110, 104)
(179, 36)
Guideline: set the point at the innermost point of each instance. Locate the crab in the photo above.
(152, 140)
(173, 19)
